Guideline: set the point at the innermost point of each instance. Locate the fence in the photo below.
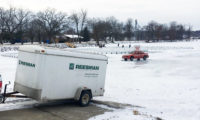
(9, 52)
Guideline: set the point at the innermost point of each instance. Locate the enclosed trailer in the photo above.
(45, 74)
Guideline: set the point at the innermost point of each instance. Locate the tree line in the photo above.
(19, 25)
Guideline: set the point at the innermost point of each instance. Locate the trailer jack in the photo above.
(5, 95)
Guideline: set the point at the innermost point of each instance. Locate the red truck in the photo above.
(136, 55)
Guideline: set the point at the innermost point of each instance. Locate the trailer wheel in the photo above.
(125, 59)
(85, 98)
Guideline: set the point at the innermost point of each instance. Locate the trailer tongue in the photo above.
(5, 95)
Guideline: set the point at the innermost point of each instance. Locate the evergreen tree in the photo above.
(86, 34)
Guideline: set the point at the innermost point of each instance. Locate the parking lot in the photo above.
(54, 111)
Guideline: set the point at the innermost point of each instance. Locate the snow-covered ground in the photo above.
(167, 85)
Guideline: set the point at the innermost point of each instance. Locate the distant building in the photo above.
(196, 34)
(68, 38)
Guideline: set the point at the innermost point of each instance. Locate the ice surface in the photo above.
(167, 84)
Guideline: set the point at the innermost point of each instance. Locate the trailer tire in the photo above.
(125, 59)
(85, 98)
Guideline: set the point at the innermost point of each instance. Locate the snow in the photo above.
(167, 85)
(121, 114)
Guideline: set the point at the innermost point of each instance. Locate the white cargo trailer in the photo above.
(45, 74)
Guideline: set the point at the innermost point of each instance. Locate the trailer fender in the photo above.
(79, 91)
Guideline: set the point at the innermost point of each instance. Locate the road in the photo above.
(58, 111)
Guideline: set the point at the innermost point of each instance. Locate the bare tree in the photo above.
(52, 22)
(180, 32)
(31, 28)
(189, 32)
(2, 24)
(158, 31)
(19, 24)
(129, 29)
(114, 29)
(38, 30)
(79, 20)
(172, 31)
(76, 20)
(152, 30)
(15, 19)
(111, 24)
(83, 19)
(23, 20)
(98, 29)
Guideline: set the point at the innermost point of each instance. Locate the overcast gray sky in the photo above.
(163, 11)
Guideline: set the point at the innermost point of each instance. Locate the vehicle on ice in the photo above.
(137, 54)
(47, 74)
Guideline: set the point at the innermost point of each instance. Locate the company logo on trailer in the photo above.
(71, 66)
(84, 67)
(26, 63)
